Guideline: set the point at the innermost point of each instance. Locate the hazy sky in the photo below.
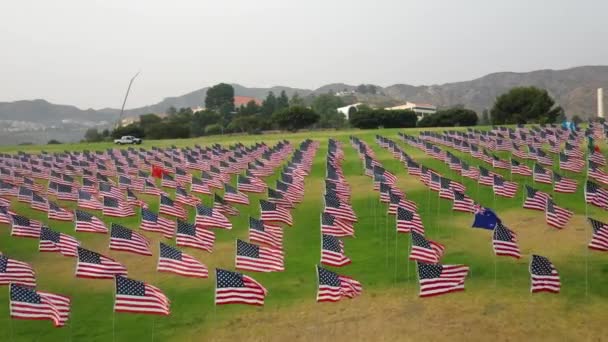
(84, 52)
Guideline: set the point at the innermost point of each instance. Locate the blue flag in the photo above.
(485, 218)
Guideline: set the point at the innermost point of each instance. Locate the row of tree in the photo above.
(519, 105)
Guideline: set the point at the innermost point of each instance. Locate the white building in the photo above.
(346, 109)
(421, 109)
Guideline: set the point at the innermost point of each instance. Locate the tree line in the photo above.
(220, 116)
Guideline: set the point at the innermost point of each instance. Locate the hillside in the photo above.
(574, 89)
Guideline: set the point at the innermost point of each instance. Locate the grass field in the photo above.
(496, 305)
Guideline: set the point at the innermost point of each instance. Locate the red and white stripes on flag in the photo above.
(133, 296)
(26, 303)
(17, 272)
(172, 260)
(545, 277)
(333, 287)
(504, 242)
(236, 288)
(437, 279)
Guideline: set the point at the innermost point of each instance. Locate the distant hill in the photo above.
(574, 89)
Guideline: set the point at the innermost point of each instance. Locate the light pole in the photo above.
(122, 109)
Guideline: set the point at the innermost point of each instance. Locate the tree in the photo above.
(295, 118)
(455, 116)
(282, 101)
(576, 119)
(269, 105)
(366, 118)
(525, 105)
(220, 98)
(92, 135)
(296, 100)
(53, 142)
(171, 110)
(250, 108)
(132, 129)
(202, 119)
(326, 105)
(105, 133)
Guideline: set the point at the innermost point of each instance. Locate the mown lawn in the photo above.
(496, 304)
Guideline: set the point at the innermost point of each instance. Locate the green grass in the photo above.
(379, 262)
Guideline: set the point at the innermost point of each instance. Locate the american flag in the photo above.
(556, 216)
(499, 163)
(333, 287)
(270, 212)
(413, 168)
(39, 203)
(541, 174)
(485, 177)
(96, 266)
(596, 195)
(599, 241)
(518, 168)
(199, 186)
(595, 171)
(535, 199)
(152, 222)
(462, 202)
(5, 215)
(224, 207)
(116, 208)
(135, 296)
(543, 158)
(57, 213)
(246, 184)
(181, 196)
(504, 188)
(188, 235)
(88, 223)
(107, 189)
(570, 163)
(124, 239)
(87, 201)
(504, 242)
(332, 251)
(408, 221)
(469, 171)
(261, 232)
(435, 181)
(172, 260)
(207, 217)
(182, 176)
(424, 250)
(236, 288)
(133, 201)
(445, 190)
(437, 279)
(390, 178)
(232, 195)
(26, 303)
(572, 151)
(563, 184)
(544, 275)
(168, 207)
(168, 181)
(332, 225)
(25, 227)
(15, 271)
(24, 195)
(151, 189)
(66, 193)
(597, 157)
(250, 257)
(279, 198)
(52, 241)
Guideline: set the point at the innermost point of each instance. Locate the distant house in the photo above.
(421, 109)
(244, 100)
(346, 109)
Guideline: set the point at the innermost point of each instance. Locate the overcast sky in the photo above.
(84, 52)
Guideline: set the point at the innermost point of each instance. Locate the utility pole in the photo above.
(122, 109)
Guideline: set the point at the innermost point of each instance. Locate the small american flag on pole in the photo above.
(333, 287)
(599, 241)
(52, 241)
(26, 303)
(332, 251)
(133, 296)
(151, 222)
(556, 216)
(261, 232)
(437, 279)
(96, 266)
(545, 277)
(25, 227)
(124, 239)
(250, 257)
(425, 250)
(88, 223)
(172, 260)
(408, 221)
(504, 242)
(15, 271)
(188, 235)
(236, 288)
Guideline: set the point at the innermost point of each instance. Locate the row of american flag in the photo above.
(131, 295)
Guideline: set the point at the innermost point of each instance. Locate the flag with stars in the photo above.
(26, 303)
(188, 235)
(88, 223)
(152, 222)
(261, 232)
(599, 241)
(15, 271)
(125, 239)
(172, 260)
(545, 277)
(425, 250)
(96, 266)
(437, 279)
(504, 242)
(332, 225)
(408, 221)
(332, 252)
(133, 296)
(236, 288)
(25, 227)
(52, 241)
(250, 257)
(333, 287)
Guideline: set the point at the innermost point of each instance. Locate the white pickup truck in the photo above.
(127, 139)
